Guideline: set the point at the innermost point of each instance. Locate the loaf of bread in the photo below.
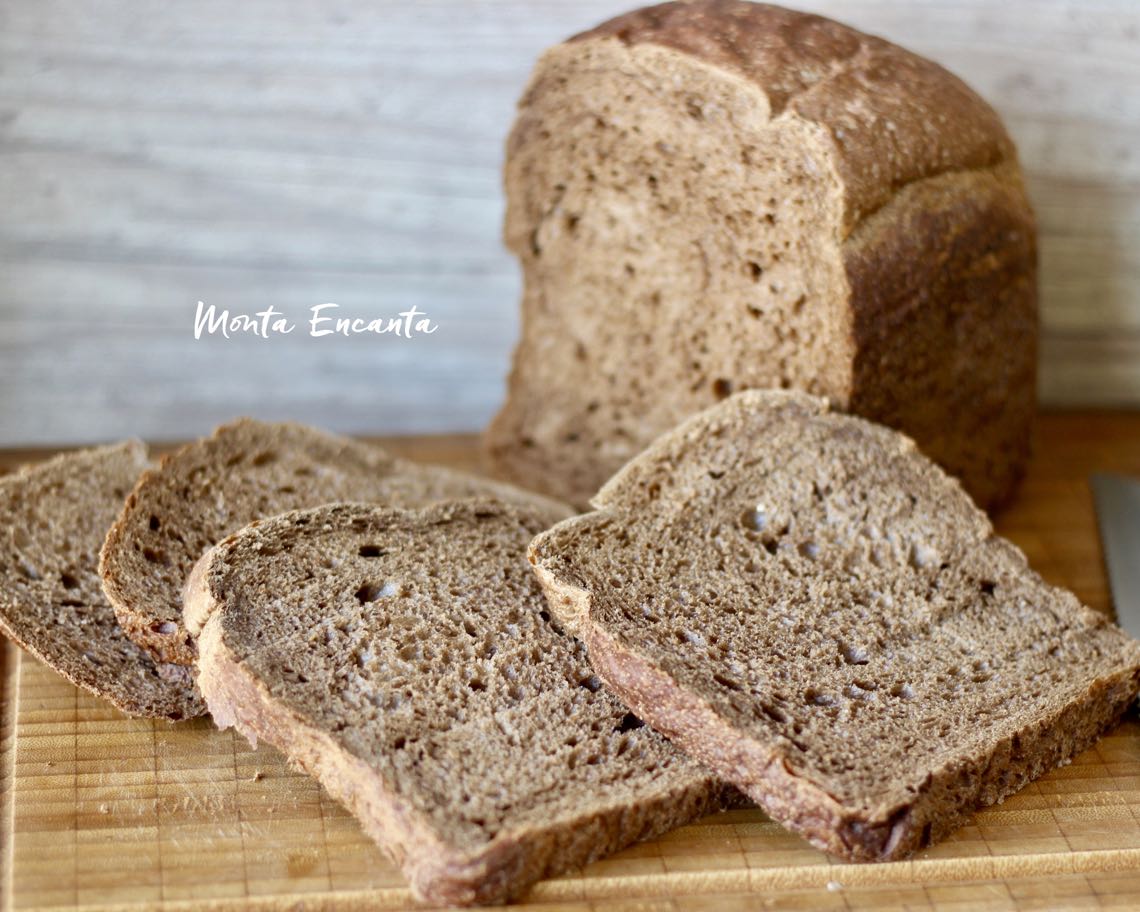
(809, 606)
(244, 471)
(53, 517)
(718, 195)
(406, 659)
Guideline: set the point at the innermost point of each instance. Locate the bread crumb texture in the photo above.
(808, 605)
(409, 661)
(53, 517)
(245, 471)
(715, 196)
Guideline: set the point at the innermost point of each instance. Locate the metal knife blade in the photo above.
(1118, 515)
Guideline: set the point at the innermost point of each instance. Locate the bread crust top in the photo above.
(891, 116)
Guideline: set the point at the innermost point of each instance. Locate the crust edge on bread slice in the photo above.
(890, 830)
(920, 201)
(159, 629)
(164, 691)
(498, 871)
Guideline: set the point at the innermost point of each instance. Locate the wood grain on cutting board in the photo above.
(103, 812)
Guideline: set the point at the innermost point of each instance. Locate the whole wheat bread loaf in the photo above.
(711, 196)
(806, 604)
(245, 471)
(53, 517)
(406, 660)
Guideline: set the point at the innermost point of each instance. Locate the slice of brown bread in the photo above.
(245, 471)
(53, 517)
(406, 659)
(712, 196)
(813, 609)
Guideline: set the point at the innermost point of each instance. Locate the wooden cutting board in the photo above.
(102, 812)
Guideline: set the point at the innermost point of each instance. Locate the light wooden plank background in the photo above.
(293, 152)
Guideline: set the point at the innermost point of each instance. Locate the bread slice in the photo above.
(245, 471)
(807, 605)
(53, 517)
(712, 196)
(406, 660)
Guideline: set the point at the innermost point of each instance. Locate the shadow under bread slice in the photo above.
(244, 471)
(813, 609)
(53, 517)
(407, 660)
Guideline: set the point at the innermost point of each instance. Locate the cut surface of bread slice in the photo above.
(719, 195)
(244, 471)
(53, 517)
(813, 609)
(406, 659)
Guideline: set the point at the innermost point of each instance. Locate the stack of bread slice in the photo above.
(773, 601)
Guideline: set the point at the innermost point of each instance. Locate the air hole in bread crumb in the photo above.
(154, 523)
(592, 683)
(371, 551)
(370, 592)
(809, 549)
(773, 712)
(722, 388)
(728, 683)
(156, 556)
(754, 520)
(164, 628)
(69, 581)
(903, 691)
(476, 685)
(819, 698)
(263, 459)
(988, 587)
(629, 722)
(854, 655)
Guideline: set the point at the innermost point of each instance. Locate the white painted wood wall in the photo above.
(293, 152)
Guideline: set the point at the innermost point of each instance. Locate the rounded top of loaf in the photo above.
(891, 116)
